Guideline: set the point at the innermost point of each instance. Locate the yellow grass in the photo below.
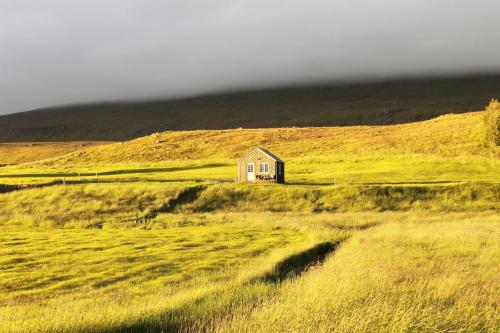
(445, 150)
(144, 237)
(83, 206)
(449, 135)
(16, 153)
(98, 280)
(439, 277)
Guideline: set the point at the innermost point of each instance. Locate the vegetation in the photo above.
(379, 228)
(492, 123)
(230, 197)
(438, 277)
(325, 105)
(16, 153)
(215, 272)
(449, 136)
(445, 150)
(84, 206)
(84, 280)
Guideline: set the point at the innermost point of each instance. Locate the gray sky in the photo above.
(60, 51)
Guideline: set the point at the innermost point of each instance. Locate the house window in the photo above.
(250, 168)
(264, 167)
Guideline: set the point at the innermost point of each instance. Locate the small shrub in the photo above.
(492, 123)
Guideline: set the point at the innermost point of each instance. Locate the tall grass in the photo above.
(439, 277)
(107, 280)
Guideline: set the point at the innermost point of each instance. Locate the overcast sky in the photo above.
(59, 51)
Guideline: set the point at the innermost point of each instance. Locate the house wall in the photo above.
(256, 157)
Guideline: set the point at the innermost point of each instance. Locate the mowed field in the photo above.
(379, 228)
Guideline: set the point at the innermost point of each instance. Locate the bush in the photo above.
(492, 122)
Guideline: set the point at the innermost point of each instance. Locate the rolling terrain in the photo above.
(379, 228)
(354, 104)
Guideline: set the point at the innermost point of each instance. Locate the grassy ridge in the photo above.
(141, 204)
(450, 135)
(84, 206)
(367, 104)
(230, 197)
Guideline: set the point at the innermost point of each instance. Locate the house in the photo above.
(260, 165)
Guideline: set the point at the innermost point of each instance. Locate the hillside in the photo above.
(23, 152)
(355, 104)
(448, 135)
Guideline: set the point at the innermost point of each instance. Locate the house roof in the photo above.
(265, 151)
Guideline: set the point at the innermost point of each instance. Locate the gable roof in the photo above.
(265, 151)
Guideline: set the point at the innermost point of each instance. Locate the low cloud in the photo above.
(60, 52)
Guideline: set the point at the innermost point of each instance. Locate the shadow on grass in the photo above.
(185, 197)
(299, 263)
(5, 188)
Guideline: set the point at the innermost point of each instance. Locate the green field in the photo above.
(378, 228)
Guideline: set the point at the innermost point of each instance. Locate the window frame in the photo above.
(266, 167)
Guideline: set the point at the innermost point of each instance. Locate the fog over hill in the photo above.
(390, 102)
(58, 52)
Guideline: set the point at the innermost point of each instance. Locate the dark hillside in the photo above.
(368, 104)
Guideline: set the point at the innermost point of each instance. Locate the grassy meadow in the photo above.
(379, 228)
(441, 276)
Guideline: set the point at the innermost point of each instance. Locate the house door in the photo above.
(250, 172)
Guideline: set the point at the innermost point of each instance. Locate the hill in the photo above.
(448, 135)
(342, 105)
(444, 150)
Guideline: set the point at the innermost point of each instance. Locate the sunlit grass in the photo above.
(87, 205)
(399, 169)
(117, 247)
(438, 277)
(345, 198)
(67, 280)
(24, 152)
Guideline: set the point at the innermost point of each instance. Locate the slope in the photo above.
(448, 135)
